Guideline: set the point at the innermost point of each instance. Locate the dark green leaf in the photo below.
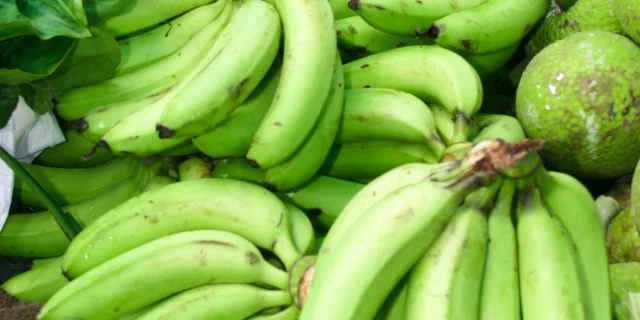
(92, 61)
(38, 95)
(98, 10)
(8, 102)
(28, 58)
(45, 18)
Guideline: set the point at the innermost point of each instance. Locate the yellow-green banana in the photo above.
(356, 36)
(194, 168)
(38, 284)
(301, 229)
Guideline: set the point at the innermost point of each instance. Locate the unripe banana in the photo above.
(37, 285)
(159, 182)
(217, 301)
(149, 47)
(489, 63)
(340, 9)
(242, 56)
(291, 313)
(233, 137)
(498, 126)
(301, 229)
(357, 36)
(185, 149)
(229, 205)
(158, 269)
(193, 169)
(68, 186)
(69, 153)
(238, 169)
(304, 83)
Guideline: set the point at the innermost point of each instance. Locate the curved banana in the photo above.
(233, 137)
(193, 169)
(301, 229)
(185, 149)
(67, 186)
(500, 296)
(407, 18)
(387, 114)
(498, 126)
(238, 169)
(571, 203)
(367, 160)
(153, 79)
(307, 70)
(242, 56)
(69, 153)
(357, 36)
(489, 27)
(446, 125)
(324, 198)
(37, 285)
(447, 279)
(151, 46)
(141, 14)
(37, 235)
(340, 9)
(308, 159)
(549, 281)
(290, 313)
(228, 205)
(379, 249)
(158, 269)
(489, 63)
(217, 301)
(431, 73)
(136, 133)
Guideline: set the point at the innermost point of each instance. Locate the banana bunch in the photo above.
(200, 247)
(491, 236)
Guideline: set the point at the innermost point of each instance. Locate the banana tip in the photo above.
(433, 31)
(164, 132)
(253, 164)
(79, 125)
(354, 4)
(270, 187)
(495, 155)
(93, 151)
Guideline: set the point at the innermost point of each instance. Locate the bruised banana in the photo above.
(37, 235)
(67, 186)
(229, 205)
(158, 269)
(153, 79)
(233, 137)
(243, 55)
(387, 114)
(304, 85)
(151, 46)
(308, 159)
(367, 160)
(217, 301)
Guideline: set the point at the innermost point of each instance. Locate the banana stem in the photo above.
(68, 225)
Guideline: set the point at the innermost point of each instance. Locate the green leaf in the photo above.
(98, 10)
(8, 103)
(38, 95)
(28, 58)
(92, 61)
(44, 18)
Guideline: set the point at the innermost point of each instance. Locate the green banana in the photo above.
(367, 160)
(500, 296)
(307, 70)
(232, 138)
(217, 301)
(193, 169)
(185, 149)
(242, 56)
(340, 9)
(290, 313)
(446, 126)
(67, 186)
(549, 281)
(357, 36)
(37, 285)
(489, 63)
(141, 14)
(153, 79)
(69, 153)
(571, 203)
(136, 133)
(37, 235)
(149, 47)
(324, 198)
(394, 306)
(301, 229)
(37, 263)
(447, 279)
(387, 114)
(158, 269)
(238, 169)
(308, 159)
(407, 18)
(489, 27)
(159, 182)
(431, 73)
(404, 224)
(228, 205)
(498, 126)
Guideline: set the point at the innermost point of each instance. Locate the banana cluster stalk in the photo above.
(444, 241)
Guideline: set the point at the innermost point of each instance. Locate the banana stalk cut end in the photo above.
(300, 278)
(496, 155)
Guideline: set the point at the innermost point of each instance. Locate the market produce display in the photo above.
(341, 159)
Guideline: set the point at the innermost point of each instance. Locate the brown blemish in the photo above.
(253, 258)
